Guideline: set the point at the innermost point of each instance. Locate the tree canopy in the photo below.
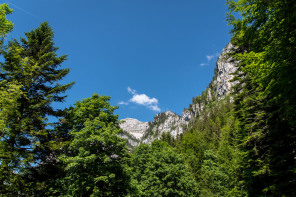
(243, 144)
(159, 171)
(95, 159)
(265, 99)
(29, 86)
(5, 25)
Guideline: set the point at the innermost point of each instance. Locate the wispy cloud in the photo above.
(123, 103)
(204, 64)
(23, 10)
(131, 90)
(142, 99)
(209, 58)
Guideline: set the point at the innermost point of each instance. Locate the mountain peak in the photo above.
(134, 127)
(169, 122)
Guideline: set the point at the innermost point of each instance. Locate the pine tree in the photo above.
(27, 139)
(265, 103)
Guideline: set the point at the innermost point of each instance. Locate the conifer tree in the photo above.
(26, 140)
(265, 100)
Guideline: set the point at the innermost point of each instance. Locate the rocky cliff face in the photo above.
(221, 84)
(134, 127)
(163, 123)
(145, 132)
(133, 130)
(226, 65)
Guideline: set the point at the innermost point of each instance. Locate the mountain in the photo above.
(137, 132)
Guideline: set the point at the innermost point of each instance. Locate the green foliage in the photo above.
(153, 130)
(5, 25)
(158, 170)
(265, 96)
(168, 138)
(211, 150)
(95, 158)
(241, 148)
(29, 76)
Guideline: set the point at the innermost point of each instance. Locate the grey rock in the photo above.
(137, 132)
(134, 127)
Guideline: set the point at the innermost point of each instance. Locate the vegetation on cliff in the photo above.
(243, 144)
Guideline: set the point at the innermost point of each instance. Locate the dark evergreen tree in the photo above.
(265, 100)
(27, 140)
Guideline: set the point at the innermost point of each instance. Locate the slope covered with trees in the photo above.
(265, 99)
(243, 144)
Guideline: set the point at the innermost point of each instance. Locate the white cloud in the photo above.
(142, 99)
(209, 58)
(123, 103)
(154, 108)
(204, 64)
(131, 90)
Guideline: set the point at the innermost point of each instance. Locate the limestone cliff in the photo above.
(221, 83)
(133, 130)
(145, 132)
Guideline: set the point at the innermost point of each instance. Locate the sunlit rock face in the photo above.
(226, 66)
(133, 131)
(137, 132)
(222, 82)
(134, 127)
(166, 122)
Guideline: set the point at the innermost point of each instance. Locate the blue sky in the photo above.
(149, 56)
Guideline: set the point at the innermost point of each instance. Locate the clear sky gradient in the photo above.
(150, 56)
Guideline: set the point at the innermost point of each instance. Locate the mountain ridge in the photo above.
(137, 132)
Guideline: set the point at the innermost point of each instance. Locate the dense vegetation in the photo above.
(241, 145)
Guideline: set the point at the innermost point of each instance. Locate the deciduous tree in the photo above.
(96, 156)
(158, 170)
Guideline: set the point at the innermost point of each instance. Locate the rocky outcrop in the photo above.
(137, 132)
(163, 123)
(145, 132)
(226, 65)
(221, 84)
(134, 127)
(133, 130)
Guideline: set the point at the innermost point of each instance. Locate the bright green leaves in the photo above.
(210, 149)
(9, 94)
(265, 31)
(28, 87)
(5, 25)
(95, 158)
(158, 170)
(81, 155)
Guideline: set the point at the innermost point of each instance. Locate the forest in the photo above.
(242, 145)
